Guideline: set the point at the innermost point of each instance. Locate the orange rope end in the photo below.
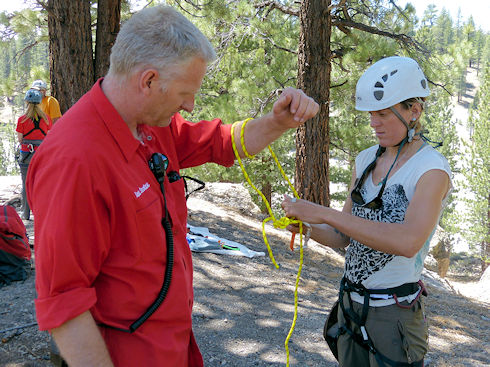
(291, 245)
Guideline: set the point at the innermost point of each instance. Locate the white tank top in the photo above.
(375, 269)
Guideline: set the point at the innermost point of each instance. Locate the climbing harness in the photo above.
(283, 222)
(37, 126)
(346, 287)
(29, 146)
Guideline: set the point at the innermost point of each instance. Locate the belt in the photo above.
(403, 290)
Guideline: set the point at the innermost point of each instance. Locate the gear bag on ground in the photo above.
(15, 253)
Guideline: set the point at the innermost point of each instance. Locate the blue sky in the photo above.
(479, 9)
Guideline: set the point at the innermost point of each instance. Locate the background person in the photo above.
(49, 104)
(31, 131)
(101, 251)
(398, 190)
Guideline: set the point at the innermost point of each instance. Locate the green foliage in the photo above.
(242, 82)
(8, 146)
(257, 57)
(441, 127)
(477, 170)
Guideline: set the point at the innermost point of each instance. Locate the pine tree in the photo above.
(477, 173)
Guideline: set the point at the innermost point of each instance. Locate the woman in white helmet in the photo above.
(398, 191)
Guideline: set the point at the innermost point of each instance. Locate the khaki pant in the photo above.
(397, 333)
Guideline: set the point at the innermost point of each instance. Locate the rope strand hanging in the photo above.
(282, 222)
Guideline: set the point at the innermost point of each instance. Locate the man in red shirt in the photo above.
(101, 250)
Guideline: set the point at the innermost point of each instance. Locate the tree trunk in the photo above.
(312, 139)
(108, 23)
(70, 50)
(267, 192)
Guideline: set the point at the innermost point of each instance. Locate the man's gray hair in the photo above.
(158, 37)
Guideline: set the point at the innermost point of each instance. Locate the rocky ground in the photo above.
(244, 307)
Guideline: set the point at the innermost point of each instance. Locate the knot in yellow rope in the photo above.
(283, 222)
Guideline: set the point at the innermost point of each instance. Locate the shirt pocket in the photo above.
(150, 234)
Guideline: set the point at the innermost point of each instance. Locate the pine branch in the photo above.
(407, 41)
(271, 5)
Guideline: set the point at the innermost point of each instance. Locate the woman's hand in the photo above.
(303, 210)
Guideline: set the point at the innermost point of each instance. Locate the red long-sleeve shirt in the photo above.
(100, 245)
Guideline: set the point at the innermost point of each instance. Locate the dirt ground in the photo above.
(244, 307)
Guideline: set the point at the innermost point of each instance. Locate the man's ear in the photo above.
(147, 77)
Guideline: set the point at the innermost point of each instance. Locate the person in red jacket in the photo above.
(110, 209)
(31, 130)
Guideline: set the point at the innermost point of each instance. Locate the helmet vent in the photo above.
(394, 72)
(423, 83)
(378, 85)
(385, 77)
(378, 94)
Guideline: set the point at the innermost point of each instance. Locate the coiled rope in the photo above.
(282, 222)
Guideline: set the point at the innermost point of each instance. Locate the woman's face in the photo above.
(387, 126)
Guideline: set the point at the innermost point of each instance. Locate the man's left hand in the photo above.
(293, 108)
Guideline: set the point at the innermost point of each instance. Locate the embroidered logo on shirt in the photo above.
(142, 189)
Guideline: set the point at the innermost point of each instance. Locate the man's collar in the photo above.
(113, 121)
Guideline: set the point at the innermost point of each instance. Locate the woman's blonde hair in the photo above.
(34, 112)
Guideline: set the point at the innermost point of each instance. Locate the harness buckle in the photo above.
(364, 333)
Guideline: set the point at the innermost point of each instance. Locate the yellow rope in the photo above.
(283, 222)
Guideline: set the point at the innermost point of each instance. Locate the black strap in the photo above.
(158, 169)
(23, 159)
(380, 358)
(365, 341)
(400, 291)
(36, 127)
(173, 176)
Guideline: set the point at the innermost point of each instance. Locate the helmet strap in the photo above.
(410, 129)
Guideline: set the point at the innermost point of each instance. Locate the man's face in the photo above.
(174, 94)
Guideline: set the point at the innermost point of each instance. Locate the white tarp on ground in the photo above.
(201, 240)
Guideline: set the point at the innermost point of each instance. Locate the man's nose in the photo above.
(188, 105)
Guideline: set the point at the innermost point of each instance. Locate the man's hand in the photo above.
(293, 108)
(80, 342)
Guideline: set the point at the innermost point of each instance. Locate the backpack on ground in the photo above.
(15, 253)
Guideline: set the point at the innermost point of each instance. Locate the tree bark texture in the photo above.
(70, 50)
(312, 139)
(267, 192)
(108, 24)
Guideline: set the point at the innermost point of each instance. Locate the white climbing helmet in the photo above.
(39, 85)
(390, 81)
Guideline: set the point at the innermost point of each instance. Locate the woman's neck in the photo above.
(411, 147)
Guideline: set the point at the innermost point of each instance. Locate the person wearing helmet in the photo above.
(398, 190)
(49, 104)
(31, 130)
(113, 266)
